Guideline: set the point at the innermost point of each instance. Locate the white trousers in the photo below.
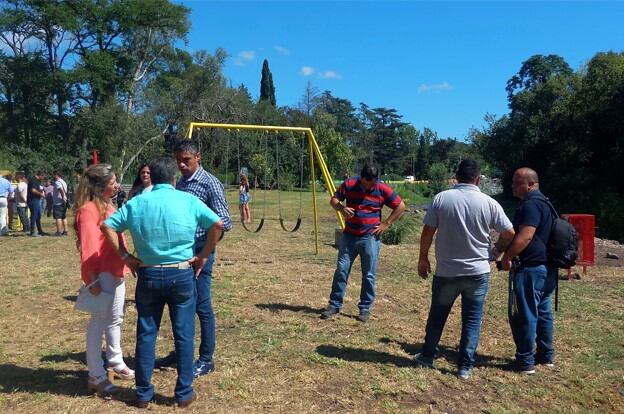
(3, 216)
(109, 324)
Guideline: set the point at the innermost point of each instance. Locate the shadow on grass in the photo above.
(71, 383)
(452, 355)
(277, 307)
(80, 357)
(347, 353)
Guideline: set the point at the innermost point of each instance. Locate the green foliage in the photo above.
(400, 230)
(569, 127)
(439, 175)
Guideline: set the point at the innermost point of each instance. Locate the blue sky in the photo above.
(442, 65)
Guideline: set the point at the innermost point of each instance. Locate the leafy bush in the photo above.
(400, 230)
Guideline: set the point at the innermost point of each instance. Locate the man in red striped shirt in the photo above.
(365, 197)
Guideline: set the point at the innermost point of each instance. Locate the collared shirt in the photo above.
(5, 188)
(208, 189)
(463, 217)
(367, 205)
(163, 224)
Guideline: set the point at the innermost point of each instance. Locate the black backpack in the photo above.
(563, 243)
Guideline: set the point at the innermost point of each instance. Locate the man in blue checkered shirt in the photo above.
(209, 189)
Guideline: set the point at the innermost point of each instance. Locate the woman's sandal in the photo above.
(120, 372)
(104, 388)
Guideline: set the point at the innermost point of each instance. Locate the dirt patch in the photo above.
(613, 248)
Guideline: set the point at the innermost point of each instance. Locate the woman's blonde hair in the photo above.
(91, 187)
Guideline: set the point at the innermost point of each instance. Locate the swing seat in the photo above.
(294, 229)
(252, 230)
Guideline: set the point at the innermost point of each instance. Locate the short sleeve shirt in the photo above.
(59, 196)
(463, 217)
(34, 182)
(163, 223)
(367, 205)
(534, 212)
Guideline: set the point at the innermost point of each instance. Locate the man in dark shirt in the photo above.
(533, 278)
(34, 199)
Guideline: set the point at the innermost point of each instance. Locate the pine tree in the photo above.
(267, 89)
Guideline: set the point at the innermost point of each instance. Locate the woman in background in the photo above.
(142, 183)
(99, 261)
(243, 199)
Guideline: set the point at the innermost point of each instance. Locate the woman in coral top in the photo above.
(99, 261)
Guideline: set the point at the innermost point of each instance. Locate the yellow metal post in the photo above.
(316, 230)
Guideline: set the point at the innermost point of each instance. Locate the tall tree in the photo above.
(267, 89)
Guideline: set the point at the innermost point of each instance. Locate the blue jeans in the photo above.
(473, 290)
(205, 313)
(530, 313)
(23, 215)
(155, 288)
(35, 216)
(367, 247)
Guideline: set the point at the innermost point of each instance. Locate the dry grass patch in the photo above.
(275, 355)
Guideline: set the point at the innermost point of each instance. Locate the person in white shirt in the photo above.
(21, 197)
(59, 204)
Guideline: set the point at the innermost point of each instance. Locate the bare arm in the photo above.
(503, 242)
(518, 244)
(426, 238)
(338, 206)
(113, 239)
(394, 216)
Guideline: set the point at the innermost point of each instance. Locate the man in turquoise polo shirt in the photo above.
(163, 224)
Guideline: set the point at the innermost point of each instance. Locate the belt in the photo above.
(181, 265)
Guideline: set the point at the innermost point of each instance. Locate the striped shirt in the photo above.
(208, 189)
(366, 204)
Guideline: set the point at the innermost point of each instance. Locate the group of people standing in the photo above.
(463, 218)
(32, 196)
(175, 228)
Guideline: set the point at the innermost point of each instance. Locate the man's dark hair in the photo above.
(163, 170)
(186, 145)
(39, 173)
(467, 171)
(57, 172)
(369, 171)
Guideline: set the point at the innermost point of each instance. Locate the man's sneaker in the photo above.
(330, 312)
(464, 373)
(546, 364)
(423, 361)
(202, 368)
(166, 362)
(364, 316)
(526, 369)
(57, 234)
(35, 235)
(64, 233)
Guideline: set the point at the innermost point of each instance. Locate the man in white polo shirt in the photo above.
(463, 218)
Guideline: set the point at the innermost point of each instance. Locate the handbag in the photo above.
(88, 302)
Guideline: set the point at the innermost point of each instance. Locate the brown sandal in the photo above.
(120, 372)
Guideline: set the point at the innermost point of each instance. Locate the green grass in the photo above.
(274, 354)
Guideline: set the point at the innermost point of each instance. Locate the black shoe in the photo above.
(364, 316)
(526, 369)
(329, 313)
(202, 368)
(187, 403)
(166, 362)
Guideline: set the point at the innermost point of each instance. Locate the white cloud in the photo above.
(282, 50)
(430, 87)
(330, 74)
(307, 70)
(244, 57)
